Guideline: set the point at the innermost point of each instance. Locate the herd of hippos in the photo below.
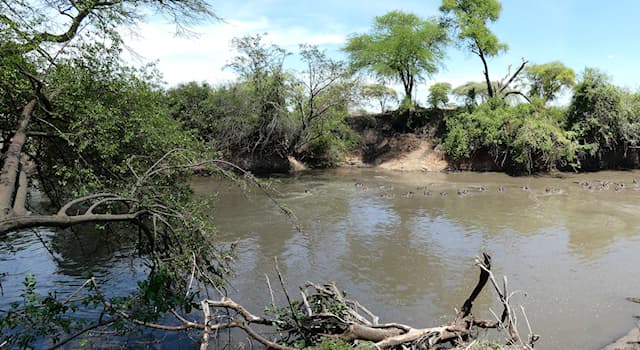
(586, 185)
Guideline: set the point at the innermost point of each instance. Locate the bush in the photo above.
(525, 138)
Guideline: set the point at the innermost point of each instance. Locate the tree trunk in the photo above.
(10, 173)
(480, 53)
(20, 199)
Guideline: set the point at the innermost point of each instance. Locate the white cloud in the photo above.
(202, 58)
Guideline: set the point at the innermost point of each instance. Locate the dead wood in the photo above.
(325, 312)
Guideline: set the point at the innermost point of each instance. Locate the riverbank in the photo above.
(416, 140)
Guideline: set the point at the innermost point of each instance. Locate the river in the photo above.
(571, 250)
(397, 244)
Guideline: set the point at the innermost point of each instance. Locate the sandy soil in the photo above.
(422, 158)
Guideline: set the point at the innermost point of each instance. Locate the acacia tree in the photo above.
(547, 80)
(380, 93)
(93, 135)
(469, 20)
(401, 46)
(439, 94)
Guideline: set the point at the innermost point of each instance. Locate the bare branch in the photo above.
(517, 93)
(63, 210)
(514, 76)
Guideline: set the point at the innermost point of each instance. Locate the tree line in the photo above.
(516, 120)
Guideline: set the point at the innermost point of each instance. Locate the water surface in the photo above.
(570, 247)
(572, 250)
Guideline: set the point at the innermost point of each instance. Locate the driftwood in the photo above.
(324, 312)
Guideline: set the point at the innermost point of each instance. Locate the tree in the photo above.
(261, 68)
(381, 94)
(546, 80)
(469, 20)
(439, 94)
(596, 110)
(191, 104)
(472, 93)
(321, 95)
(95, 137)
(401, 46)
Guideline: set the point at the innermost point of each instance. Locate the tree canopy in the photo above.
(469, 21)
(439, 94)
(547, 80)
(401, 46)
(381, 94)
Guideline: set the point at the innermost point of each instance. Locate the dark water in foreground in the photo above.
(574, 252)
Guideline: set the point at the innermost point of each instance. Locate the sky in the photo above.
(579, 33)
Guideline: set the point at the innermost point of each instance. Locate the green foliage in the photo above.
(263, 85)
(333, 344)
(525, 138)
(470, 19)
(381, 94)
(14, 86)
(547, 80)
(604, 117)
(596, 110)
(321, 96)
(401, 46)
(100, 126)
(35, 317)
(472, 93)
(439, 94)
(195, 107)
(105, 113)
(261, 67)
(271, 114)
(539, 143)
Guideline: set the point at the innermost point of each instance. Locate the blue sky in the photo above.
(578, 33)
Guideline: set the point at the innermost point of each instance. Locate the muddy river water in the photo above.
(398, 244)
(395, 242)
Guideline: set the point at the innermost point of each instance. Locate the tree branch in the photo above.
(513, 77)
(14, 223)
(517, 93)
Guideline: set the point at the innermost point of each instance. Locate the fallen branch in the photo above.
(325, 312)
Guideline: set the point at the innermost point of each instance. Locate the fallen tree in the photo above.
(322, 314)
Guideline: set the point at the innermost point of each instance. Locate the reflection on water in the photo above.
(572, 247)
(397, 244)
